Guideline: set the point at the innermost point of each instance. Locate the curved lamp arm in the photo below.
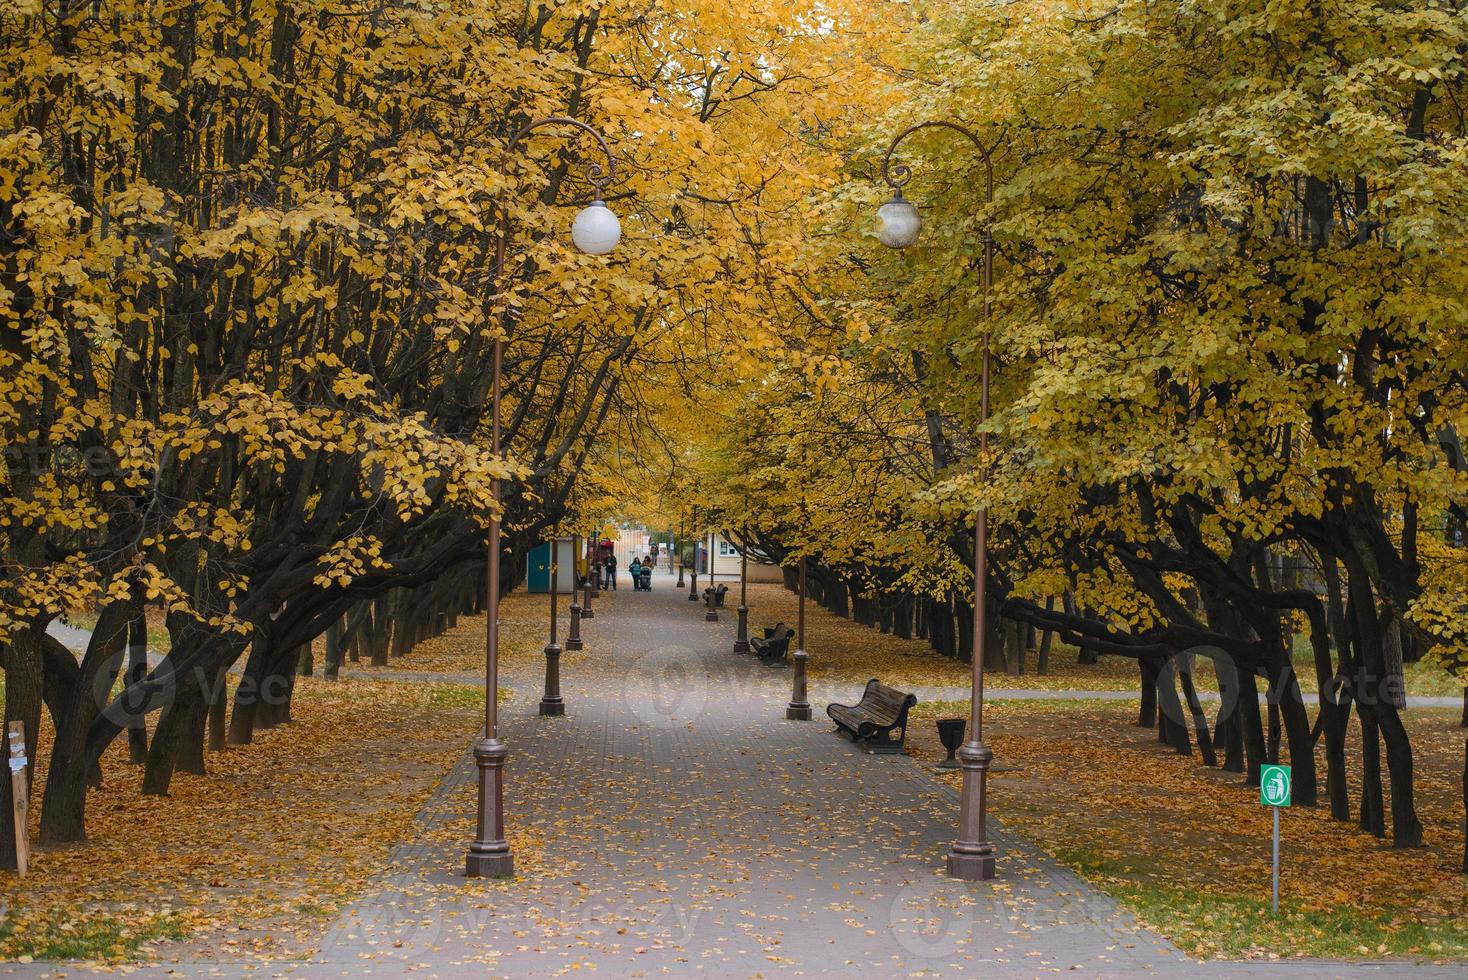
(898, 176)
(598, 175)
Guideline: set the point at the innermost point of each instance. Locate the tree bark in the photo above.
(137, 669)
(1147, 715)
(1195, 707)
(1372, 813)
(64, 805)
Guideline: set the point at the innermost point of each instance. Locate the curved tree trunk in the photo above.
(64, 805)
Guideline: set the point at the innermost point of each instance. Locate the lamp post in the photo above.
(693, 575)
(598, 571)
(680, 553)
(587, 590)
(573, 632)
(972, 855)
(741, 638)
(595, 231)
(551, 702)
(799, 707)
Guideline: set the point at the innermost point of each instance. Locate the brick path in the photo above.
(674, 823)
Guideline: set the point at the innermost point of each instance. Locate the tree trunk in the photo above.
(1043, 664)
(137, 669)
(1195, 707)
(1147, 716)
(1227, 727)
(178, 742)
(1252, 722)
(1406, 828)
(1016, 638)
(64, 806)
(381, 632)
(218, 698)
(1272, 746)
(1372, 814)
(333, 650)
(1171, 728)
(247, 696)
(1335, 697)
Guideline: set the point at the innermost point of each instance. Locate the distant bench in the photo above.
(772, 646)
(872, 721)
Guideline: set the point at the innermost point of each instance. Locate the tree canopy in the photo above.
(249, 288)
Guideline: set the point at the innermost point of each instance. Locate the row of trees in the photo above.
(248, 294)
(1229, 378)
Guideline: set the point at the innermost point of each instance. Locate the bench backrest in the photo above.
(886, 704)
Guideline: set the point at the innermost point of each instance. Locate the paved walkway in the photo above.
(677, 824)
(674, 824)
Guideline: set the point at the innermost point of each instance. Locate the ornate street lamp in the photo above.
(693, 535)
(551, 702)
(741, 638)
(599, 231)
(799, 707)
(680, 552)
(972, 855)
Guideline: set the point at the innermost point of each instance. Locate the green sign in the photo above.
(1274, 785)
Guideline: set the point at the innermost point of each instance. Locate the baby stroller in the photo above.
(644, 578)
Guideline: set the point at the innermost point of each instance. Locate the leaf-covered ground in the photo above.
(252, 860)
(524, 629)
(1188, 848)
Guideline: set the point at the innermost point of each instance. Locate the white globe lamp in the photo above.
(899, 223)
(596, 230)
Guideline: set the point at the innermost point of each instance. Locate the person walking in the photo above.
(611, 572)
(635, 570)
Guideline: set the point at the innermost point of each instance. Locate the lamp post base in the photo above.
(971, 857)
(741, 639)
(489, 855)
(971, 867)
(551, 702)
(489, 865)
(799, 707)
(573, 638)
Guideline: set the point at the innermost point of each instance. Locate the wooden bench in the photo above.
(772, 646)
(878, 721)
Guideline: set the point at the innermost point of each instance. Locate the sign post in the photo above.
(1274, 792)
(20, 797)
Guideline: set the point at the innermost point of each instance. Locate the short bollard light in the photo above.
(950, 733)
